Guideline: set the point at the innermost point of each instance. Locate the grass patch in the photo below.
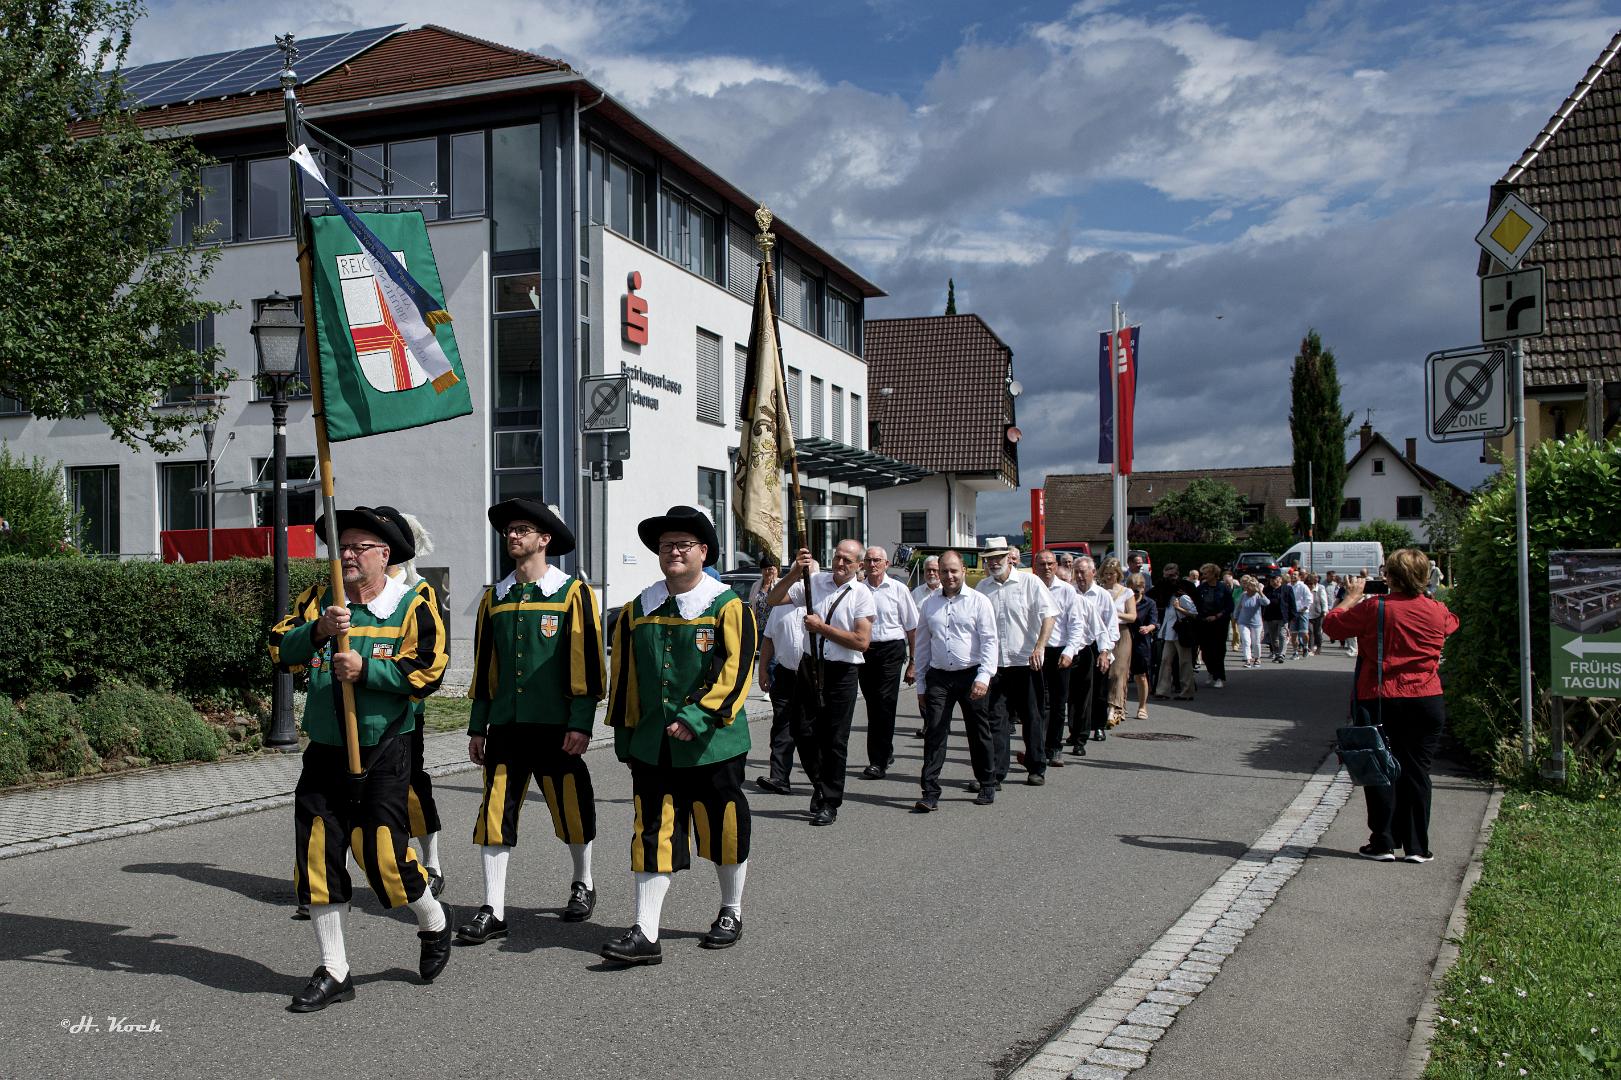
(1536, 990)
(446, 712)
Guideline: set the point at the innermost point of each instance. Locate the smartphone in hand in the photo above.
(1376, 587)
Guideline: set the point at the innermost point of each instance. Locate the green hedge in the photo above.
(1573, 496)
(198, 629)
(1190, 556)
(52, 733)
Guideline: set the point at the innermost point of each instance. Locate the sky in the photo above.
(1233, 174)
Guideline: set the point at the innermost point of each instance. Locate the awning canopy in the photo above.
(862, 468)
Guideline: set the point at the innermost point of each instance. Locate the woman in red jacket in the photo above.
(1406, 696)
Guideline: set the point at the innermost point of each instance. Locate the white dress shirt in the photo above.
(785, 626)
(1021, 603)
(1067, 634)
(1099, 618)
(956, 632)
(856, 604)
(922, 593)
(896, 610)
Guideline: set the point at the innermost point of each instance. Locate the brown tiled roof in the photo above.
(950, 409)
(1080, 507)
(1571, 175)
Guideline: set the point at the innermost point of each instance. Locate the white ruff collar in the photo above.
(383, 604)
(552, 580)
(690, 604)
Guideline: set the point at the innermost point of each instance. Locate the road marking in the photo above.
(1114, 1034)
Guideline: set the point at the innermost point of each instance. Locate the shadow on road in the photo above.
(277, 891)
(1192, 845)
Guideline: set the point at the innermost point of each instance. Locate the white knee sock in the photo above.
(581, 854)
(495, 879)
(430, 851)
(731, 885)
(328, 922)
(429, 912)
(650, 890)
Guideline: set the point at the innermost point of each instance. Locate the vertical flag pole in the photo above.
(306, 281)
(1119, 489)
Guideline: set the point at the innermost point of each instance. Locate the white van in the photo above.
(1344, 557)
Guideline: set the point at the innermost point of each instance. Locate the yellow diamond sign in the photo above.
(1510, 231)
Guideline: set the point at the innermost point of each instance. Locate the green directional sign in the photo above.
(1584, 601)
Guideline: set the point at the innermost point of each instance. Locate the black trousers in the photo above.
(1083, 673)
(1015, 701)
(1213, 647)
(513, 753)
(1100, 686)
(1054, 702)
(943, 690)
(880, 681)
(823, 731)
(326, 822)
(784, 685)
(1399, 815)
(424, 812)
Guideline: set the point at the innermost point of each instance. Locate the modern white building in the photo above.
(1383, 483)
(556, 198)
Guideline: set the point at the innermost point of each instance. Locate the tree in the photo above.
(951, 297)
(1212, 508)
(35, 517)
(1317, 428)
(1273, 534)
(1389, 534)
(1444, 523)
(98, 307)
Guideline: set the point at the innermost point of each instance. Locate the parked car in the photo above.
(1074, 547)
(1257, 563)
(1344, 557)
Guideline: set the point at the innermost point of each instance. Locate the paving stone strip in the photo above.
(1114, 1034)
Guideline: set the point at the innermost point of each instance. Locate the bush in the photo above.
(52, 737)
(1190, 556)
(1387, 534)
(1573, 495)
(198, 628)
(33, 501)
(121, 719)
(113, 718)
(13, 748)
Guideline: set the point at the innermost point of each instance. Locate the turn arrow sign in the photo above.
(1580, 646)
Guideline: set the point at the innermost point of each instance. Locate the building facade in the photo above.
(1383, 483)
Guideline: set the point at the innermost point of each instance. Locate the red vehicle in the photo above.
(1074, 547)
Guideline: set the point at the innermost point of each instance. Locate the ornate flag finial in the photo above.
(766, 239)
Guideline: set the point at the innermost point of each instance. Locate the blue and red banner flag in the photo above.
(1125, 360)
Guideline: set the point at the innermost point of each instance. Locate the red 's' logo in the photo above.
(635, 311)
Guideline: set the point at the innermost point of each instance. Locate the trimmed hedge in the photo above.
(198, 629)
(1190, 556)
(13, 750)
(122, 720)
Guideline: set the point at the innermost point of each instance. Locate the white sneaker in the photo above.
(1412, 858)
(1219, 683)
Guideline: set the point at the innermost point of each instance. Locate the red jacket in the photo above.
(1415, 629)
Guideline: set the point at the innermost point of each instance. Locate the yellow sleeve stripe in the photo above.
(734, 662)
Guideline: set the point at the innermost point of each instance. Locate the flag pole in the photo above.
(306, 281)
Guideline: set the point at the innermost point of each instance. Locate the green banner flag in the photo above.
(372, 381)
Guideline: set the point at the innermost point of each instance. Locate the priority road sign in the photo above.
(1466, 393)
(1510, 231)
(1584, 600)
(1511, 305)
(605, 403)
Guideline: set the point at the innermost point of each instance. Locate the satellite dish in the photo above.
(1014, 435)
(1015, 388)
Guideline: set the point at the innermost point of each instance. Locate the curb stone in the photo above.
(1418, 1045)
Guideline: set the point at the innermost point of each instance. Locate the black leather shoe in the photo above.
(632, 948)
(779, 787)
(581, 903)
(872, 772)
(301, 913)
(482, 927)
(919, 733)
(824, 815)
(322, 990)
(1099, 735)
(890, 762)
(972, 785)
(986, 796)
(724, 931)
(1055, 761)
(925, 806)
(436, 883)
(435, 948)
(1035, 779)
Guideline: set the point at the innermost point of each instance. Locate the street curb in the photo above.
(1418, 1045)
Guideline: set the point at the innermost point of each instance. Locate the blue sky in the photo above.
(1282, 165)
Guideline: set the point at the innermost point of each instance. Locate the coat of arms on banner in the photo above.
(706, 638)
(385, 358)
(382, 650)
(548, 625)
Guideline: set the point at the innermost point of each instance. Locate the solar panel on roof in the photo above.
(244, 71)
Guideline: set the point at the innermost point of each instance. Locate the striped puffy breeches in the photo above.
(424, 810)
(512, 754)
(326, 822)
(704, 802)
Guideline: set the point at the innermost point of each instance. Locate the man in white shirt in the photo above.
(893, 625)
(838, 633)
(1062, 646)
(1024, 619)
(931, 580)
(782, 649)
(955, 660)
(1100, 629)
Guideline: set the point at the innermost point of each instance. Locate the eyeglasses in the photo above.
(668, 547)
(358, 549)
(518, 531)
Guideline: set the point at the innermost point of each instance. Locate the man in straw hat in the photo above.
(397, 655)
(537, 677)
(683, 658)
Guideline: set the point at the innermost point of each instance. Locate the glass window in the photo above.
(618, 196)
(300, 504)
(414, 170)
(599, 184)
(366, 170)
(914, 526)
(818, 420)
(467, 174)
(197, 337)
(1378, 466)
(1351, 510)
(702, 238)
(518, 484)
(517, 362)
(841, 323)
(674, 239)
(299, 385)
(517, 292)
(515, 160)
(708, 381)
(638, 205)
(856, 433)
(742, 261)
(796, 390)
(184, 504)
(10, 406)
(517, 450)
(215, 208)
(268, 210)
(791, 293)
(1409, 507)
(740, 374)
(95, 496)
(712, 497)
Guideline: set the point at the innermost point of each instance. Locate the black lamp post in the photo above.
(277, 334)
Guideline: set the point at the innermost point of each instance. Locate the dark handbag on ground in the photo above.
(1361, 746)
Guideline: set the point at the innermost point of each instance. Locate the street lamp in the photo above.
(277, 334)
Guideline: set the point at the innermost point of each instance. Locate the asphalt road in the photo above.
(890, 945)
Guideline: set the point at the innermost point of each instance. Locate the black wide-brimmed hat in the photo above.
(383, 522)
(544, 518)
(685, 519)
